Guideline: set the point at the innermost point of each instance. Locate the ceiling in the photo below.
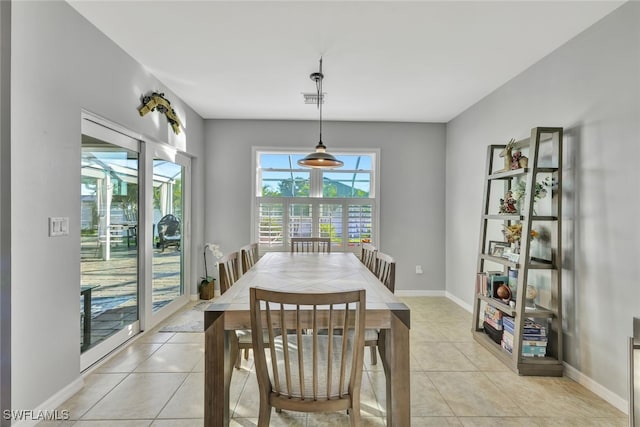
(418, 61)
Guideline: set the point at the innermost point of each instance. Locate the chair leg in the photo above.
(381, 347)
(354, 413)
(238, 360)
(374, 357)
(234, 353)
(264, 415)
(246, 354)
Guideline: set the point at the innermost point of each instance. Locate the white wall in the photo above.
(412, 184)
(62, 64)
(591, 87)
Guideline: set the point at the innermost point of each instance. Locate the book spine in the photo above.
(534, 331)
(534, 350)
(493, 312)
(492, 322)
(508, 320)
(529, 337)
(530, 343)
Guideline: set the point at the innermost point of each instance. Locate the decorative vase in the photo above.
(515, 247)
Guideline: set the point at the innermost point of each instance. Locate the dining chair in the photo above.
(249, 255)
(311, 244)
(368, 256)
(385, 270)
(229, 272)
(316, 372)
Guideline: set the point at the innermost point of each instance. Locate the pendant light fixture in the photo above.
(320, 158)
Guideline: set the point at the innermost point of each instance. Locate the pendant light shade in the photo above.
(320, 158)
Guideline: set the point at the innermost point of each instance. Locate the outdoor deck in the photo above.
(114, 301)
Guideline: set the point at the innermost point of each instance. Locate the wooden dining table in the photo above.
(306, 272)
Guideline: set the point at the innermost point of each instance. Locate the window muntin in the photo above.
(346, 184)
(277, 183)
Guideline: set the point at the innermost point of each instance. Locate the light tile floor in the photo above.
(159, 381)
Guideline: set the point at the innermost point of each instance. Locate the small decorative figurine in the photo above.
(508, 204)
(519, 161)
(508, 157)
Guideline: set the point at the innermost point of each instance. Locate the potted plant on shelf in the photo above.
(207, 283)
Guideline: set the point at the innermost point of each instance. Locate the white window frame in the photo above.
(315, 198)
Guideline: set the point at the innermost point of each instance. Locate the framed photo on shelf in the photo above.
(497, 248)
(513, 257)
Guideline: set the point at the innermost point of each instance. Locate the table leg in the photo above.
(396, 367)
(217, 370)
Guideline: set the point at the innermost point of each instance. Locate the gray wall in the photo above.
(591, 87)
(411, 193)
(64, 65)
(5, 208)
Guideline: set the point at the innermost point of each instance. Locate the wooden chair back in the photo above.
(319, 371)
(311, 244)
(228, 271)
(386, 270)
(249, 255)
(368, 256)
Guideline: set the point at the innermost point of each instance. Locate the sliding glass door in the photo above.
(109, 286)
(135, 221)
(168, 232)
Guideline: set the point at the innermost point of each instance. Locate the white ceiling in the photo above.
(419, 61)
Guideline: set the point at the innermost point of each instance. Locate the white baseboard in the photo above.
(603, 392)
(460, 302)
(418, 293)
(53, 402)
(571, 372)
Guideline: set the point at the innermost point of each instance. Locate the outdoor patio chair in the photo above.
(169, 232)
(116, 234)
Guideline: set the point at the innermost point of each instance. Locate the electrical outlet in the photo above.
(418, 269)
(58, 226)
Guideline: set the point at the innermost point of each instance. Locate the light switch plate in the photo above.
(58, 226)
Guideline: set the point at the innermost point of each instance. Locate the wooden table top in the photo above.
(309, 272)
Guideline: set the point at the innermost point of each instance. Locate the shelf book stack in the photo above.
(534, 337)
(493, 325)
(487, 283)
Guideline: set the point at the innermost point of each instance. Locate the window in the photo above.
(292, 201)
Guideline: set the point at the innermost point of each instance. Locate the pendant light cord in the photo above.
(319, 158)
(319, 89)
